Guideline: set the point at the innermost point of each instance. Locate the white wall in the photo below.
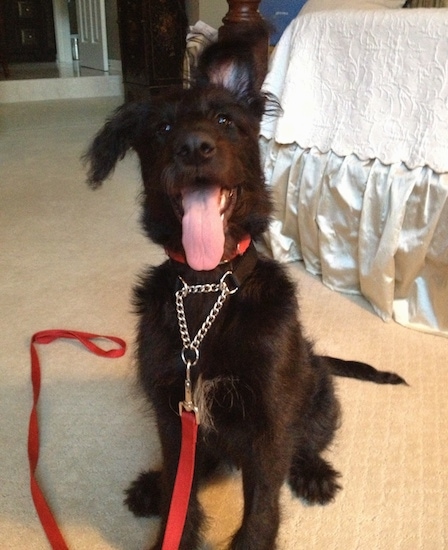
(209, 11)
(62, 31)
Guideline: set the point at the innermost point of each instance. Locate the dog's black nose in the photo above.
(196, 147)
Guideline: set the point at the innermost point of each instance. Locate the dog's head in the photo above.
(204, 188)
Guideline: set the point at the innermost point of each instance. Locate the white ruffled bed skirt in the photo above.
(366, 228)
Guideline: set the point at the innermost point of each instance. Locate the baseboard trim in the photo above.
(16, 91)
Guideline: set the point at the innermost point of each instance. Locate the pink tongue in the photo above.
(202, 228)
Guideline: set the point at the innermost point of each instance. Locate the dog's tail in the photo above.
(362, 371)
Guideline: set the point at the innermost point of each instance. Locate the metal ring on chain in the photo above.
(190, 355)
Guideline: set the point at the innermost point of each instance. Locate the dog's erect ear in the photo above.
(232, 66)
(113, 141)
(229, 65)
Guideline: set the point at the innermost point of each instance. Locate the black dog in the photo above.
(266, 401)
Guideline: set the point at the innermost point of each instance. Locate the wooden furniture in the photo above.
(152, 41)
(28, 31)
(3, 56)
(153, 35)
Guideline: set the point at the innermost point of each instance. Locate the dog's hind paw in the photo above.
(143, 495)
(315, 481)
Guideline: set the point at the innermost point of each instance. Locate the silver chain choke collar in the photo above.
(190, 350)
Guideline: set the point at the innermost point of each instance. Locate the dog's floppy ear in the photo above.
(112, 142)
(232, 65)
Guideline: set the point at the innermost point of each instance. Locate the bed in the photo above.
(358, 162)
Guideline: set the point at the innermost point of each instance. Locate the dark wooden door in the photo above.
(29, 30)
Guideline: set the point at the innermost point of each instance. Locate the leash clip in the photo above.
(188, 404)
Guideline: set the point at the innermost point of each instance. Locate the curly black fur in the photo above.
(271, 400)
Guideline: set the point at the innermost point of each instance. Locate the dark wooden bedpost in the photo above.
(243, 16)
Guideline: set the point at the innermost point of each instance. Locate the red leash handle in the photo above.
(46, 337)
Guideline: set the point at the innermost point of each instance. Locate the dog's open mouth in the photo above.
(205, 211)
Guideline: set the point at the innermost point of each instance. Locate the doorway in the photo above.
(81, 32)
(48, 51)
(89, 45)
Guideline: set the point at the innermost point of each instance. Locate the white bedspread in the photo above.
(358, 163)
(372, 83)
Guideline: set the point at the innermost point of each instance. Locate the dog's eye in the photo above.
(164, 127)
(224, 119)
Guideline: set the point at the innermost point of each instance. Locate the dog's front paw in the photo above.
(315, 481)
(143, 496)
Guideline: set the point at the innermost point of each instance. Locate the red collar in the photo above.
(240, 249)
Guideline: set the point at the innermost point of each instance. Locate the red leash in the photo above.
(182, 485)
(46, 337)
(184, 478)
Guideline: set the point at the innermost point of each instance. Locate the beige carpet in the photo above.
(68, 259)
